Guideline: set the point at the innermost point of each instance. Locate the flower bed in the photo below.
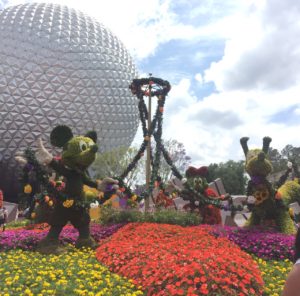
(172, 260)
(74, 273)
(262, 243)
(274, 274)
(26, 238)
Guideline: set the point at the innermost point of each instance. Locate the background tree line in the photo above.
(232, 173)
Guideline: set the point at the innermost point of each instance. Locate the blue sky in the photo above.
(234, 67)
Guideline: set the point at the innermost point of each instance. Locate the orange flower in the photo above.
(27, 189)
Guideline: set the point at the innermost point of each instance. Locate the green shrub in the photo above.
(18, 223)
(111, 216)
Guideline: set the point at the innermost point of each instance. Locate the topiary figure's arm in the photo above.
(284, 177)
(43, 156)
(107, 184)
(250, 189)
(59, 168)
(89, 182)
(244, 145)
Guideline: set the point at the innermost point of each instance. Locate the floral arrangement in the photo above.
(270, 206)
(173, 260)
(268, 245)
(160, 258)
(75, 273)
(53, 191)
(274, 274)
(27, 238)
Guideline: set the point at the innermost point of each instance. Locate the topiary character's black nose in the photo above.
(94, 148)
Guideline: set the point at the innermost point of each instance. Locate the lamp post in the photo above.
(148, 159)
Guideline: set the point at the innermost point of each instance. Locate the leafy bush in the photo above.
(112, 216)
(18, 223)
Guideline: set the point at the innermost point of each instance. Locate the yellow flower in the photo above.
(27, 189)
(28, 292)
(46, 284)
(68, 203)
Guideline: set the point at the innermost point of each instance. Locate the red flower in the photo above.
(173, 260)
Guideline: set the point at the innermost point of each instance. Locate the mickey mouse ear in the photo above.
(191, 171)
(60, 135)
(202, 171)
(92, 135)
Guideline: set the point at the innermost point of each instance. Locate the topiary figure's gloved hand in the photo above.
(174, 184)
(43, 156)
(21, 160)
(108, 184)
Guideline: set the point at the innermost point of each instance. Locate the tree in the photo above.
(232, 174)
(291, 153)
(278, 162)
(112, 164)
(279, 159)
(178, 155)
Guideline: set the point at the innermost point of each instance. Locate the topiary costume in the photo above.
(78, 154)
(271, 203)
(196, 179)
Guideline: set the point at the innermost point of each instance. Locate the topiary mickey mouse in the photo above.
(196, 179)
(270, 204)
(78, 154)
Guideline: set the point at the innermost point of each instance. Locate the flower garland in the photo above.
(156, 87)
(160, 88)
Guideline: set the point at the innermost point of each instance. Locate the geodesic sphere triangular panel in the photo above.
(59, 66)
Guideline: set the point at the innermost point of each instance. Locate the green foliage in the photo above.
(258, 165)
(18, 223)
(278, 162)
(178, 156)
(232, 174)
(279, 159)
(111, 216)
(292, 153)
(79, 152)
(112, 163)
(290, 192)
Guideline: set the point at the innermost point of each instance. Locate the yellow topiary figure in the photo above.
(270, 205)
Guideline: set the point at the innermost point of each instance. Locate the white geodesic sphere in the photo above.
(59, 66)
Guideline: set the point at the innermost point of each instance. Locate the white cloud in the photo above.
(263, 52)
(257, 77)
(215, 138)
(144, 25)
(199, 78)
